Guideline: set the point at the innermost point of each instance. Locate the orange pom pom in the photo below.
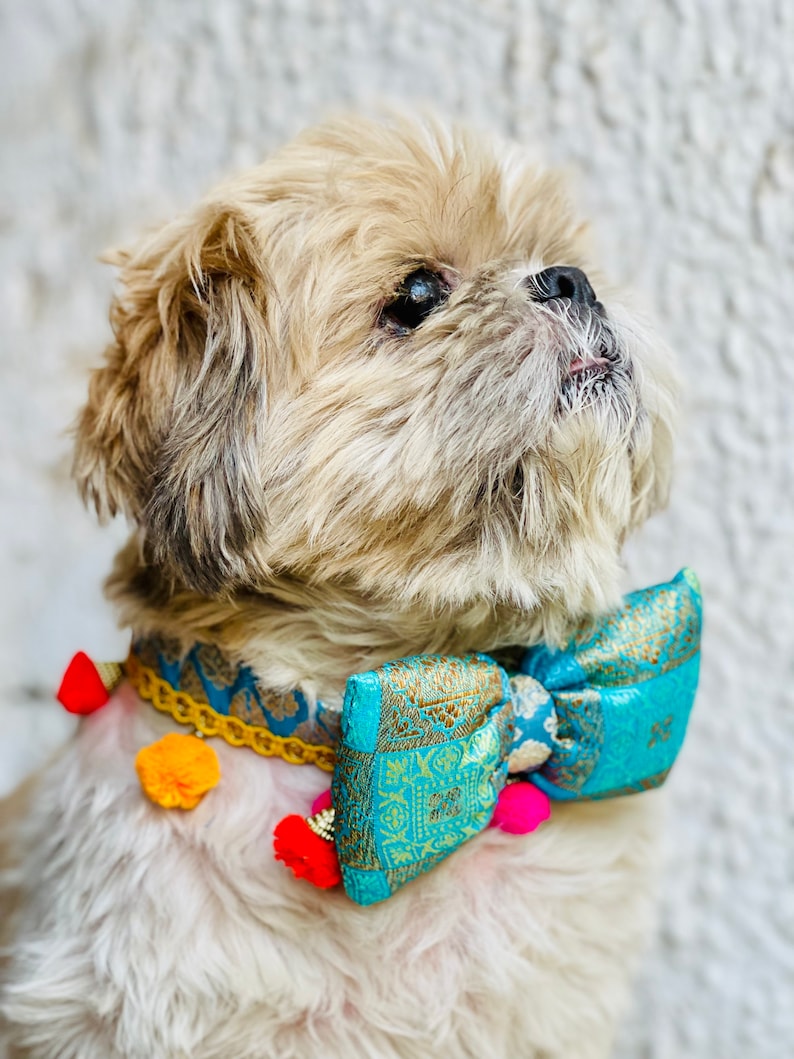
(178, 770)
(309, 856)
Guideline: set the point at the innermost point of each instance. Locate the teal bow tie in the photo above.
(427, 742)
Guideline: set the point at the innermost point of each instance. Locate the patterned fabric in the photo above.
(426, 742)
(622, 692)
(422, 759)
(232, 690)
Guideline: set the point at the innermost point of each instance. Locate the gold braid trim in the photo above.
(184, 709)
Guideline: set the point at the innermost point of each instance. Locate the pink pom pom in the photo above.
(322, 801)
(520, 808)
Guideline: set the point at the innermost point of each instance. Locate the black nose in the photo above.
(562, 281)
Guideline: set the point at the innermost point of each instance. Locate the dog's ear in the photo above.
(173, 430)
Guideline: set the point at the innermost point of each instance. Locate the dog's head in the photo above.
(381, 359)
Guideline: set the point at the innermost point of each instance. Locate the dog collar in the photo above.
(216, 697)
(423, 747)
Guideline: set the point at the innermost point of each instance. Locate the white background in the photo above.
(676, 122)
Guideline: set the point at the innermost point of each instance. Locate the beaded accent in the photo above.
(186, 710)
(322, 823)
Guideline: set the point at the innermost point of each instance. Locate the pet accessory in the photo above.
(426, 743)
(178, 770)
(307, 845)
(86, 686)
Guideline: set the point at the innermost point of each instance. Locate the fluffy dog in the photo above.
(362, 403)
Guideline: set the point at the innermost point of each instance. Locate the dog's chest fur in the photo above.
(156, 934)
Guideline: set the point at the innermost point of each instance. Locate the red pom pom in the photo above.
(521, 808)
(82, 690)
(309, 856)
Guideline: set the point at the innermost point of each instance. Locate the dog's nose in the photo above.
(562, 281)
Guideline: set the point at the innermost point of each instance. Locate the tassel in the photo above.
(178, 770)
(521, 807)
(307, 846)
(86, 687)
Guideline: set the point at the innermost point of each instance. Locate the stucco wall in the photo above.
(676, 121)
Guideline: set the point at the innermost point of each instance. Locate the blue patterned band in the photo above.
(232, 690)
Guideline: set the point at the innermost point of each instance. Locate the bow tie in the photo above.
(427, 743)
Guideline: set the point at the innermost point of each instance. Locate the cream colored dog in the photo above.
(361, 404)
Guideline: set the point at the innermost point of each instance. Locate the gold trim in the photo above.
(184, 709)
(110, 673)
(322, 823)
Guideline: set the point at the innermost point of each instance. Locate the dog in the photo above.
(362, 403)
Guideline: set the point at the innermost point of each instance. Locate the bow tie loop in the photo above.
(622, 689)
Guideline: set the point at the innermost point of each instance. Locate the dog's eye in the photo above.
(417, 296)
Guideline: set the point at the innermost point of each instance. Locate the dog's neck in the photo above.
(309, 636)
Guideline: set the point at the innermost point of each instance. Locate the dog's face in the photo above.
(379, 360)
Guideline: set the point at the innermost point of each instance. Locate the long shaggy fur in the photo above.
(317, 492)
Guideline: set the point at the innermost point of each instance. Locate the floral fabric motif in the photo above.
(217, 668)
(435, 701)
(535, 723)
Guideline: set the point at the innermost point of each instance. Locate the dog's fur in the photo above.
(318, 491)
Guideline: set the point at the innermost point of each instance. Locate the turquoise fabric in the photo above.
(426, 742)
(622, 690)
(421, 761)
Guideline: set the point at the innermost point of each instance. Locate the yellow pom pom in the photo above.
(177, 771)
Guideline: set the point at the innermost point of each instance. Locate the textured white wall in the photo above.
(677, 118)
